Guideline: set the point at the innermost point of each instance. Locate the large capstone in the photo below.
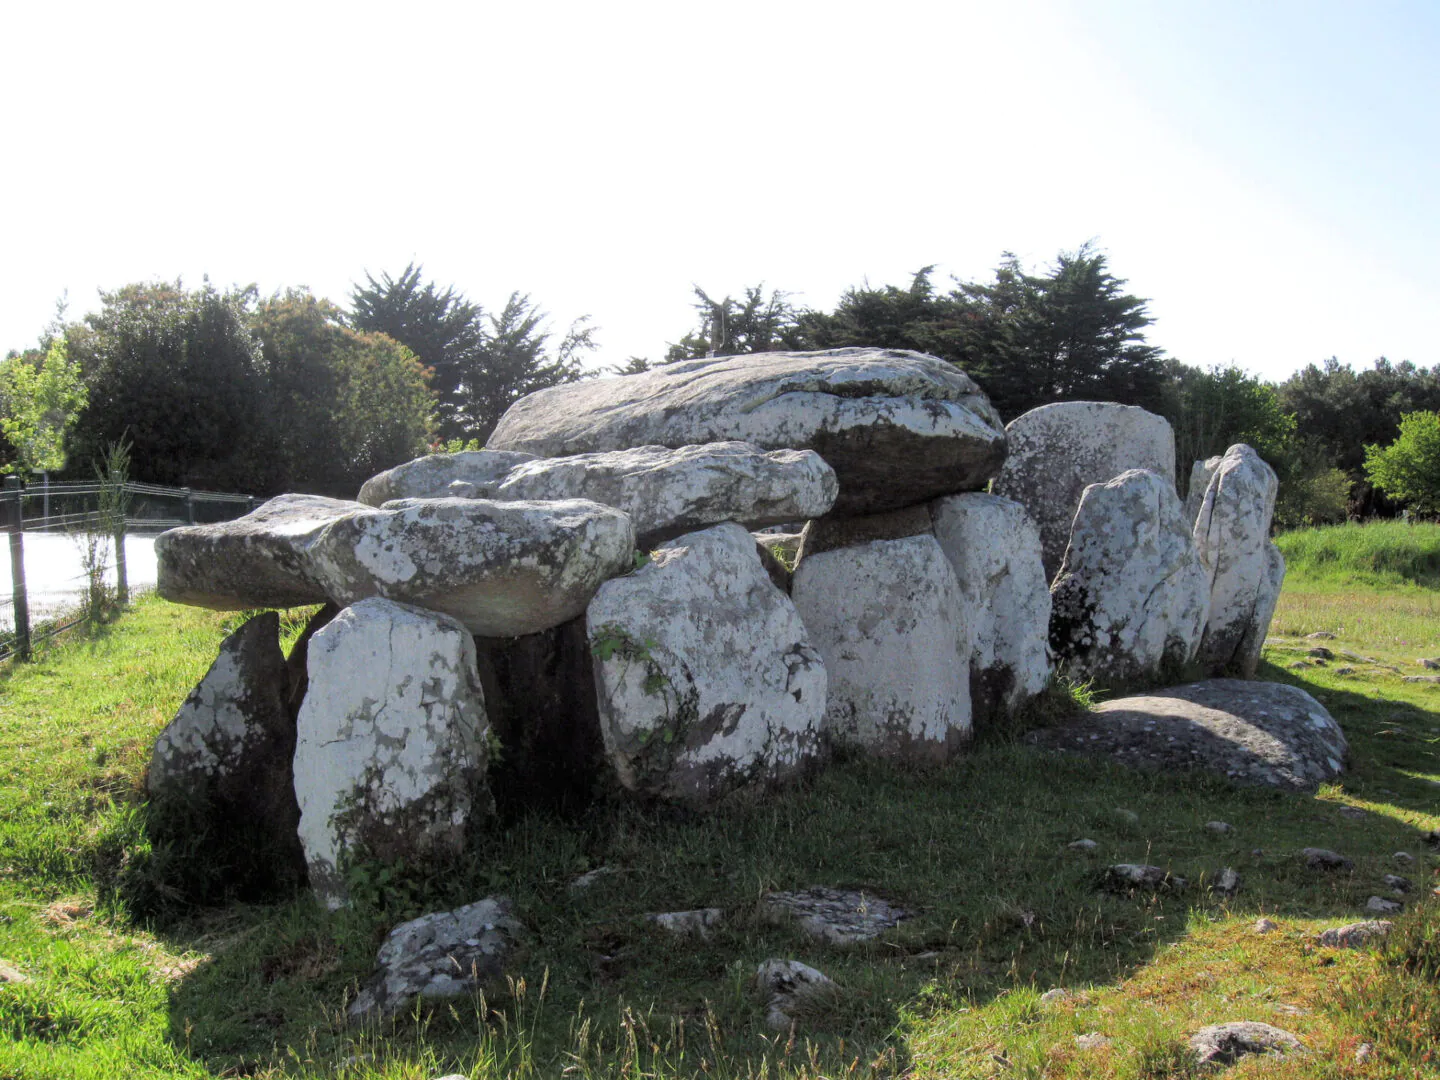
(995, 549)
(705, 675)
(469, 474)
(390, 747)
(1056, 451)
(897, 427)
(889, 618)
(668, 492)
(223, 763)
(259, 560)
(1131, 595)
(1255, 733)
(1232, 537)
(501, 568)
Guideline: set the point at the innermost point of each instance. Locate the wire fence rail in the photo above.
(78, 509)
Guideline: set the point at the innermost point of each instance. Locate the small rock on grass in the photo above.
(1321, 653)
(9, 974)
(1056, 995)
(1220, 827)
(1227, 883)
(1264, 926)
(1355, 813)
(1378, 905)
(1398, 883)
(1123, 877)
(1127, 816)
(1325, 859)
(1354, 935)
(1320, 635)
(839, 916)
(1093, 1041)
(1225, 1044)
(1082, 845)
(1404, 858)
(687, 923)
(788, 986)
(1430, 662)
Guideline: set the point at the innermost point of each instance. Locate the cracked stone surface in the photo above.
(1225, 1044)
(788, 986)
(231, 744)
(469, 474)
(1250, 732)
(1232, 537)
(897, 427)
(390, 742)
(442, 955)
(668, 492)
(1131, 594)
(890, 620)
(839, 916)
(994, 547)
(706, 676)
(1057, 451)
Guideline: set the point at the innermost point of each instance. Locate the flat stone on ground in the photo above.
(1225, 1044)
(839, 916)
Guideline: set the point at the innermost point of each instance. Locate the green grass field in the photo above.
(1003, 911)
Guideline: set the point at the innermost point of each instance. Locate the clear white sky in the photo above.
(1264, 171)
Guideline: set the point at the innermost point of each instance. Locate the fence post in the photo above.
(15, 525)
(189, 505)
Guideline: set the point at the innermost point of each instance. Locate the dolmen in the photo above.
(698, 580)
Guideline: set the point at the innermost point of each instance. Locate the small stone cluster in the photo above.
(696, 580)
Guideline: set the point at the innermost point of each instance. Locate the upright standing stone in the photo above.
(390, 748)
(888, 617)
(1131, 594)
(1056, 451)
(1232, 537)
(995, 549)
(705, 675)
(897, 427)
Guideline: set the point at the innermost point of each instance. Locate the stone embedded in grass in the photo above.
(1227, 883)
(12, 975)
(1220, 827)
(1404, 858)
(1264, 926)
(1056, 995)
(1225, 1044)
(591, 877)
(696, 923)
(1321, 653)
(1320, 635)
(1092, 1041)
(1398, 883)
(1085, 845)
(442, 955)
(839, 916)
(1127, 877)
(1325, 859)
(1378, 905)
(1431, 662)
(789, 986)
(1355, 935)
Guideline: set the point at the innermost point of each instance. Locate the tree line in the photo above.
(291, 392)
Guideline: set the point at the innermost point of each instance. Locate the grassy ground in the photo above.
(1003, 910)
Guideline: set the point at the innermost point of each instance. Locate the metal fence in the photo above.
(50, 510)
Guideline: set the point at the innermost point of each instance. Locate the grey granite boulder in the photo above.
(1232, 538)
(1251, 732)
(889, 618)
(1131, 595)
(390, 742)
(1225, 1044)
(501, 568)
(1057, 451)
(705, 675)
(789, 987)
(669, 492)
(995, 549)
(443, 955)
(897, 427)
(259, 560)
(469, 474)
(225, 759)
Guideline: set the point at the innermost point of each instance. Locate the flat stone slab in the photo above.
(669, 492)
(1356, 935)
(897, 427)
(839, 916)
(1252, 732)
(1225, 1044)
(469, 474)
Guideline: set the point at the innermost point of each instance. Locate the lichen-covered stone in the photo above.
(443, 955)
(830, 533)
(788, 987)
(1057, 451)
(501, 568)
(1232, 538)
(469, 474)
(259, 560)
(889, 618)
(705, 675)
(1225, 1044)
(897, 427)
(995, 549)
(1357, 935)
(1131, 595)
(1249, 732)
(669, 492)
(223, 763)
(390, 747)
(838, 916)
